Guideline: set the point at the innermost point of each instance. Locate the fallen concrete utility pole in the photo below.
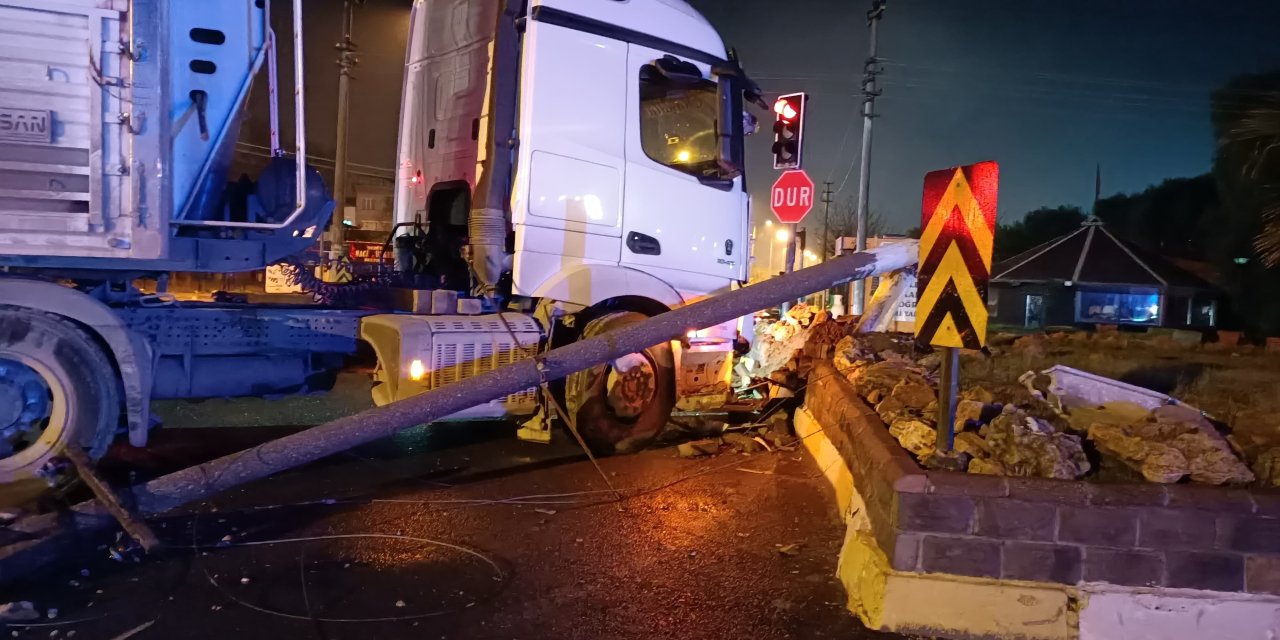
(883, 308)
(205, 480)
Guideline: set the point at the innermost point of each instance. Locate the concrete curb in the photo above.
(965, 608)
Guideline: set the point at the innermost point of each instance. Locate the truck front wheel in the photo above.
(621, 406)
(57, 387)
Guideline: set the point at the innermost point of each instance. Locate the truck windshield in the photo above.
(678, 123)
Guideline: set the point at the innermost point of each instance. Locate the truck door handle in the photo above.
(643, 244)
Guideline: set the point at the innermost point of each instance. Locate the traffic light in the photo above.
(788, 130)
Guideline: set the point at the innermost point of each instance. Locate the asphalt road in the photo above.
(465, 532)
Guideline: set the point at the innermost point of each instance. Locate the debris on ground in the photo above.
(772, 433)
(742, 442)
(789, 550)
(549, 512)
(762, 442)
(776, 349)
(134, 631)
(698, 448)
(20, 611)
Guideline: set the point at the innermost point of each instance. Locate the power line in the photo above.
(840, 151)
(260, 151)
(1029, 91)
(1050, 84)
(1048, 101)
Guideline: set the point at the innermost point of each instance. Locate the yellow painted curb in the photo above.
(930, 604)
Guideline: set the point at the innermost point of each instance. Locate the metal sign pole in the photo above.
(948, 388)
(791, 260)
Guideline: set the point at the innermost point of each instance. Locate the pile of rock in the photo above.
(1267, 467)
(991, 437)
(776, 346)
(1026, 431)
(1015, 443)
(1166, 445)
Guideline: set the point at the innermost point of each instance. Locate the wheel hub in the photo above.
(25, 406)
(632, 385)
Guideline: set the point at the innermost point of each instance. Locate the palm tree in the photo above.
(1253, 132)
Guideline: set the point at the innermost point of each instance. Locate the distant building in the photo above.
(1090, 276)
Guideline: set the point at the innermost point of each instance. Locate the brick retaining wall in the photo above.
(1183, 536)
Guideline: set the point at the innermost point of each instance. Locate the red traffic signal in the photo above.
(785, 110)
(788, 130)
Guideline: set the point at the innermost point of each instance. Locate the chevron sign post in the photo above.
(959, 221)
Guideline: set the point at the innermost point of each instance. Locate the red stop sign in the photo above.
(792, 196)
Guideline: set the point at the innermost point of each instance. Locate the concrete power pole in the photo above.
(826, 230)
(346, 62)
(869, 93)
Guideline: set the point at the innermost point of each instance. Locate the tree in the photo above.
(1246, 118)
(1170, 218)
(1035, 228)
(843, 223)
(1245, 240)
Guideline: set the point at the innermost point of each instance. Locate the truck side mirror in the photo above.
(729, 126)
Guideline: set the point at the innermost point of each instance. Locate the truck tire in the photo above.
(620, 407)
(57, 386)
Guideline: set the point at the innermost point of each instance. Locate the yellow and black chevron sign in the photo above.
(959, 221)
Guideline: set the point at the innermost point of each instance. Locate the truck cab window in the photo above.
(678, 123)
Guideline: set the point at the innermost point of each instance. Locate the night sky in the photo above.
(1048, 89)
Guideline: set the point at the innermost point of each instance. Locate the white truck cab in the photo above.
(618, 184)
(588, 154)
